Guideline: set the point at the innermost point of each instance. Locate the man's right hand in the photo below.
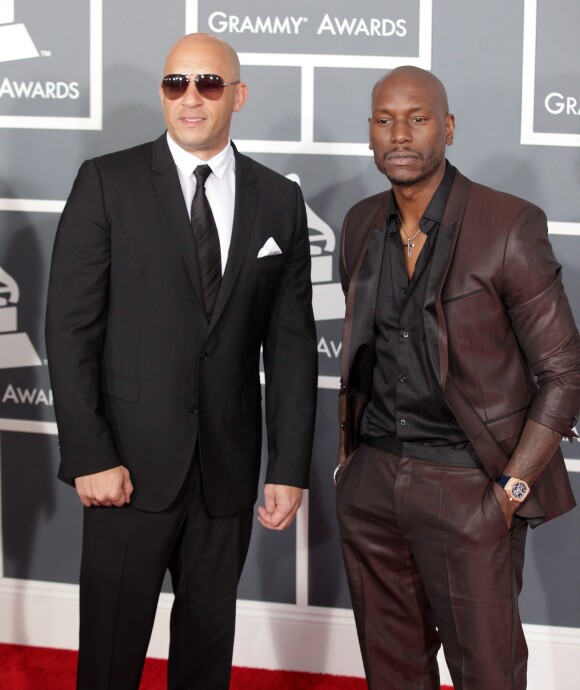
(108, 488)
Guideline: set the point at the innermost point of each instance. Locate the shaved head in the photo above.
(221, 50)
(410, 127)
(421, 77)
(196, 122)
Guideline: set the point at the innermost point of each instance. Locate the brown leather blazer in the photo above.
(500, 333)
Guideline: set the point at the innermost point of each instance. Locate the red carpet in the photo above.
(36, 668)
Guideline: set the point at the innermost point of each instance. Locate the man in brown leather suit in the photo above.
(460, 376)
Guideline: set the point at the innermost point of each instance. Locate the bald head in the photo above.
(409, 127)
(222, 55)
(423, 81)
(199, 120)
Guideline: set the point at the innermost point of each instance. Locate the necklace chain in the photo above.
(410, 243)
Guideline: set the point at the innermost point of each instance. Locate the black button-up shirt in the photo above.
(407, 402)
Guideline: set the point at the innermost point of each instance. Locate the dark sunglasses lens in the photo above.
(210, 86)
(175, 85)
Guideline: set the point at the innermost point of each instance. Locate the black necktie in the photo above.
(207, 241)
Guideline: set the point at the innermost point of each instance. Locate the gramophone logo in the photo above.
(62, 87)
(15, 41)
(327, 297)
(16, 350)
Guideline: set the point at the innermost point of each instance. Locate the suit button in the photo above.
(193, 409)
(403, 422)
(203, 356)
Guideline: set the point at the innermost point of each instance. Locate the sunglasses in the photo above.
(210, 86)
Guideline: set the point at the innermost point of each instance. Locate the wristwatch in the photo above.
(516, 489)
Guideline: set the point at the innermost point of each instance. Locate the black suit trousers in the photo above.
(126, 553)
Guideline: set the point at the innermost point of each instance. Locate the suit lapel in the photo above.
(359, 324)
(166, 182)
(433, 315)
(245, 207)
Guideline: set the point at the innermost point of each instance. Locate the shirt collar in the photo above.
(435, 208)
(188, 162)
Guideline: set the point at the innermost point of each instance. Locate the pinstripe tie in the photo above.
(207, 241)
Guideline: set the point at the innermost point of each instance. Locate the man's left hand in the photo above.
(508, 507)
(281, 504)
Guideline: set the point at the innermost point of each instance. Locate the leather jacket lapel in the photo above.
(366, 285)
(433, 315)
(359, 324)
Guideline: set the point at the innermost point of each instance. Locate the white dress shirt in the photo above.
(220, 188)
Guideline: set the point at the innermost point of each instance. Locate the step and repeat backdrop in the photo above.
(80, 79)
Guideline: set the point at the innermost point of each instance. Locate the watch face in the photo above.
(519, 490)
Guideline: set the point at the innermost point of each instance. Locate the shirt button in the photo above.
(403, 422)
(193, 409)
(402, 379)
(405, 334)
(203, 356)
(403, 291)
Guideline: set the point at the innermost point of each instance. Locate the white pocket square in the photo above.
(269, 249)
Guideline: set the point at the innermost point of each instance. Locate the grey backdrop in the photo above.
(475, 48)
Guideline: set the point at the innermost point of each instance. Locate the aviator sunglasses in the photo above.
(210, 86)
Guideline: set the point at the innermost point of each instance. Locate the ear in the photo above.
(449, 128)
(240, 97)
(161, 94)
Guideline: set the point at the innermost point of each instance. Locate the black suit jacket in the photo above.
(139, 376)
(500, 333)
